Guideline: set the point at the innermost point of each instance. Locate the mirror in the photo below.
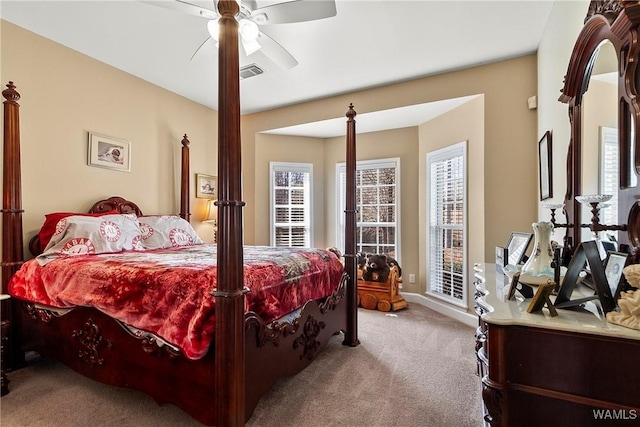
(600, 138)
(606, 50)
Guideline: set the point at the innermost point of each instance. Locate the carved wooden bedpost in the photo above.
(184, 180)
(229, 333)
(351, 334)
(12, 247)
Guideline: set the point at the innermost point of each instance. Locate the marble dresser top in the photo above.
(491, 289)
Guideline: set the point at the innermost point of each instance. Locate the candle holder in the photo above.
(553, 207)
(597, 202)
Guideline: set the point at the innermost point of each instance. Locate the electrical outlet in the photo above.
(412, 278)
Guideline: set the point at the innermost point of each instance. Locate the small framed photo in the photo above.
(206, 186)
(502, 258)
(517, 247)
(545, 166)
(541, 299)
(109, 152)
(609, 246)
(513, 286)
(613, 266)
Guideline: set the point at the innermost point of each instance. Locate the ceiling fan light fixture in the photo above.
(250, 46)
(214, 29)
(260, 18)
(248, 30)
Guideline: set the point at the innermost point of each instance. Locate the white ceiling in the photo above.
(368, 43)
(396, 118)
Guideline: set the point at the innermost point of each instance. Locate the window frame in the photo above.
(443, 154)
(308, 206)
(393, 162)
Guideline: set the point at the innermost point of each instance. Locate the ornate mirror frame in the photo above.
(617, 22)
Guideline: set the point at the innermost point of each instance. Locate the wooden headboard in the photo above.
(115, 203)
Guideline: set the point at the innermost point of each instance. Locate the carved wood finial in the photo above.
(351, 113)
(185, 141)
(610, 9)
(11, 94)
(228, 7)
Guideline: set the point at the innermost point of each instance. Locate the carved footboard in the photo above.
(98, 347)
(284, 349)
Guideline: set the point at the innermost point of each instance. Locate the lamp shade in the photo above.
(212, 212)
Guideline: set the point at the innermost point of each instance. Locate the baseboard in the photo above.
(442, 308)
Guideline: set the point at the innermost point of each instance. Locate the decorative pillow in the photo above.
(167, 231)
(82, 235)
(51, 220)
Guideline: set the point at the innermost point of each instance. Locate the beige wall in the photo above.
(278, 148)
(66, 95)
(510, 132)
(506, 166)
(436, 134)
(564, 25)
(397, 143)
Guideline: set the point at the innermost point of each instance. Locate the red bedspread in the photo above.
(168, 291)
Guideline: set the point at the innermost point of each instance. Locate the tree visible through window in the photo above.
(377, 201)
(447, 216)
(291, 204)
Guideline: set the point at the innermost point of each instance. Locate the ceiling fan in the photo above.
(251, 18)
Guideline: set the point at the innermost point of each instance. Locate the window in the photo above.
(609, 174)
(377, 205)
(291, 204)
(446, 175)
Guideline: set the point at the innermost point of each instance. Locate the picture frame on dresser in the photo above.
(586, 252)
(513, 286)
(502, 258)
(614, 263)
(541, 299)
(517, 246)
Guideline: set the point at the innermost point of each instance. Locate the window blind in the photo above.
(291, 204)
(447, 178)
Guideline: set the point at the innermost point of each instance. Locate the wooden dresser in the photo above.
(575, 369)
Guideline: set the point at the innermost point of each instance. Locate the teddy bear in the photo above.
(391, 262)
(376, 269)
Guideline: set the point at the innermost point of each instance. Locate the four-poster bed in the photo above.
(247, 355)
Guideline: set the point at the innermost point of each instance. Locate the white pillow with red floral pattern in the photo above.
(84, 235)
(167, 231)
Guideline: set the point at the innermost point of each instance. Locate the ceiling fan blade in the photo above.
(294, 11)
(199, 48)
(274, 51)
(201, 8)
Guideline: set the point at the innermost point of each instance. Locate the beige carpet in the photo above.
(413, 368)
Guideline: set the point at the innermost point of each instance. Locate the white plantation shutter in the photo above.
(609, 173)
(291, 204)
(377, 204)
(447, 177)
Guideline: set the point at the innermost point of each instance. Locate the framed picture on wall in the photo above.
(206, 186)
(545, 166)
(109, 152)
